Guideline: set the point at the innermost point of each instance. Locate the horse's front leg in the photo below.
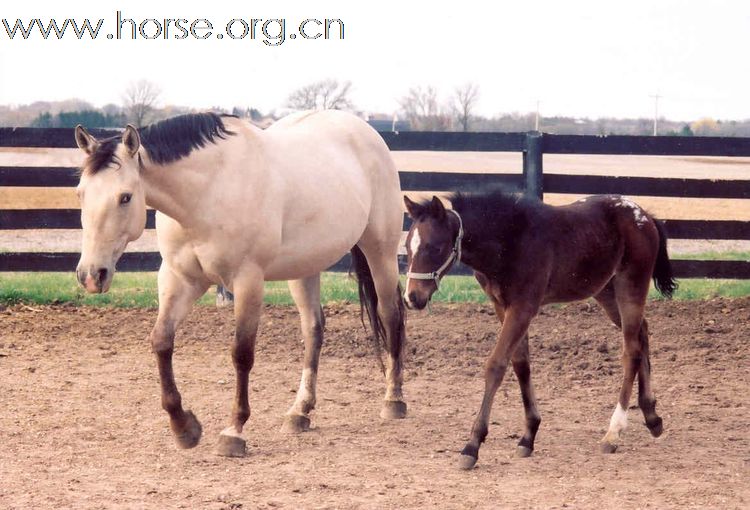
(248, 302)
(515, 325)
(176, 296)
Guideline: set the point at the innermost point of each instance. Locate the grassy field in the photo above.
(139, 290)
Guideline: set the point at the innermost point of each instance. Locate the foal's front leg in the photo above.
(176, 296)
(515, 325)
(248, 302)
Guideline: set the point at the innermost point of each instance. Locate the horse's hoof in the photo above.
(231, 446)
(295, 424)
(393, 410)
(466, 462)
(608, 447)
(190, 435)
(656, 427)
(523, 452)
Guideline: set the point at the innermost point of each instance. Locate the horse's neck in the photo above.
(177, 190)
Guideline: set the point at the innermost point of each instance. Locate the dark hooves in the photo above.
(190, 435)
(523, 451)
(231, 446)
(656, 427)
(295, 424)
(608, 447)
(466, 462)
(393, 410)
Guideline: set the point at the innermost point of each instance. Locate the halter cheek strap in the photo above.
(455, 256)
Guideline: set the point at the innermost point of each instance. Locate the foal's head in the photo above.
(113, 204)
(433, 245)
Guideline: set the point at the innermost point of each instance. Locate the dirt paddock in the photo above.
(81, 424)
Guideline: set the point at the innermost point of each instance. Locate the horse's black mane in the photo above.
(166, 141)
(173, 139)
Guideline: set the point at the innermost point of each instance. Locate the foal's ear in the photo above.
(413, 208)
(437, 209)
(131, 140)
(85, 141)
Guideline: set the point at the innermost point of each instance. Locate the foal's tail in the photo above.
(663, 276)
(368, 301)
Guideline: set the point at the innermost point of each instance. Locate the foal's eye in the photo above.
(125, 198)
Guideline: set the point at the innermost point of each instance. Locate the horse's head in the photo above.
(113, 204)
(433, 245)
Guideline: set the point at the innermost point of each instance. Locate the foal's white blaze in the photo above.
(414, 244)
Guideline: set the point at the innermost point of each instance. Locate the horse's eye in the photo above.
(125, 198)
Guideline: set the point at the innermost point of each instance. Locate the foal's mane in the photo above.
(497, 213)
(166, 141)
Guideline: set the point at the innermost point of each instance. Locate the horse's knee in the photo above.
(494, 370)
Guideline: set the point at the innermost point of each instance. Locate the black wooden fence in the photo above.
(533, 180)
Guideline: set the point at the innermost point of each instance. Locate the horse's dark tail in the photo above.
(663, 276)
(368, 302)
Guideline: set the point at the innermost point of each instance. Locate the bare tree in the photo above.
(139, 100)
(421, 107)
(465, 99)
(322, 95)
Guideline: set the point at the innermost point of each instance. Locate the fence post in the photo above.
(533, 173)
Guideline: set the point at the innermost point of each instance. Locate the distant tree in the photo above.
(140, 100)
(43, 120)
(705, 127)
(465, 99)
(686, 131)
(322, 95)
(421, 108)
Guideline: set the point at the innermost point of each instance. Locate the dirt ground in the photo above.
(81, 424)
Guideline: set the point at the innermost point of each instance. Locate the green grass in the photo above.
(713, 255)
(139, 290)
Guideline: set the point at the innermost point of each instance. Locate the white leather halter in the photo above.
(455, 256)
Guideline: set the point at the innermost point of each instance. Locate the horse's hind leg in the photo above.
(248, 302)
(384, 269)
(306, 294)
(522, 369)
(176, 296)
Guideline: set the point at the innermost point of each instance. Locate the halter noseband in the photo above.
(455, 256)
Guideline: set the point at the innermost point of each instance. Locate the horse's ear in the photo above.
(413, 208)
(85, 141)
(131, 140)
(437, 209)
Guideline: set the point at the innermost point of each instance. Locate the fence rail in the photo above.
(532, 180)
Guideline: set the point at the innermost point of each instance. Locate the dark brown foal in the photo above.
(526, 254)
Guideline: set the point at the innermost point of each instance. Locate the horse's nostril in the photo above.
(412, 297)
(102, 275)
(81, 275)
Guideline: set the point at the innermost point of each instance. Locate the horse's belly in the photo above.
(292, 264)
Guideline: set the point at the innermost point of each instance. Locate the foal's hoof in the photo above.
(466, 462)
(656, 427)
(295, 424)
(231, 446)
(190, 434)
(523, 451)
(393, 410)
(608, 447)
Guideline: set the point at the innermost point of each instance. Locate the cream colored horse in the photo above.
(238, 206)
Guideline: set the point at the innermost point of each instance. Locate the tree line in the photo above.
(421, 108)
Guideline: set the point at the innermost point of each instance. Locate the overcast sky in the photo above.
(578, 58)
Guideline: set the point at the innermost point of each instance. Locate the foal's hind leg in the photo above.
(522, 369)
(306, 294)
(623, 301)
(248, 301)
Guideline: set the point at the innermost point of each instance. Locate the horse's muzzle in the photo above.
(95, 281)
